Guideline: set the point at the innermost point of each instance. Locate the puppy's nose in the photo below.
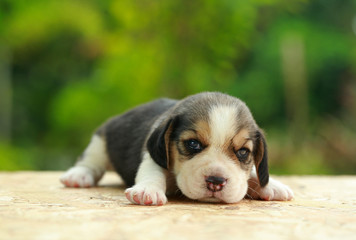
(215, 183)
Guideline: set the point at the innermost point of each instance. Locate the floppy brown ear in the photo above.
(261, 158)
(158, 143)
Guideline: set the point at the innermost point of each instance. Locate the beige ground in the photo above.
(34, 205)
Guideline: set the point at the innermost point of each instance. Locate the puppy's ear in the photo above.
(261, 158)
(158, 143)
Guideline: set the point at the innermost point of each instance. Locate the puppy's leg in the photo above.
(90, 168)
(150, 184)
(274, 190)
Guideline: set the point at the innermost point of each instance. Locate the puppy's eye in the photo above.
(193, 145)
(242, 154)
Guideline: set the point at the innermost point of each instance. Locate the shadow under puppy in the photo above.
(207, 145)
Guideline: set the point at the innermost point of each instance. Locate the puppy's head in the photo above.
(210, 141)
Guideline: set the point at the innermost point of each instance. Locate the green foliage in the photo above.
(13, 158)
(74, 64)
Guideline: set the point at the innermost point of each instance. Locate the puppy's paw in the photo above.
(277, 191)
(146, 195)
(78, 176)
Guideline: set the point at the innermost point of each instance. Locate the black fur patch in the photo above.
(261, 159)
(156, 144)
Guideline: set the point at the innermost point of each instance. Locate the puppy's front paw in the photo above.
(277, 191)
(146, 195)
(78, 176)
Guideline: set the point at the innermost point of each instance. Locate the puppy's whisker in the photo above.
(249, 196)
(253, 181)
(253, 190)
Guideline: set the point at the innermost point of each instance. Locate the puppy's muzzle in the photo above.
(215, 184)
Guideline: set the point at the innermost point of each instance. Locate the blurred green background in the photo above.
(66, 66)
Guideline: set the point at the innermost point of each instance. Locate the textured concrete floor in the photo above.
(34, 205)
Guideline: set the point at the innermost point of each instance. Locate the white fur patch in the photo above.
(222, 121)
(150, 184)
(78, 176)
(89, 170)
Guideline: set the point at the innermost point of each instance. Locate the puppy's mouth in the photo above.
(214, 188)
(212, 197)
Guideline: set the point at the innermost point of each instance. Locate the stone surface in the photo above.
(34, 205)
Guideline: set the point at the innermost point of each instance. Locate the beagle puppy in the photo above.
(207, 146)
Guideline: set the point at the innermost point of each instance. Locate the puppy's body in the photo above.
(126, 134)
(208, 144)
